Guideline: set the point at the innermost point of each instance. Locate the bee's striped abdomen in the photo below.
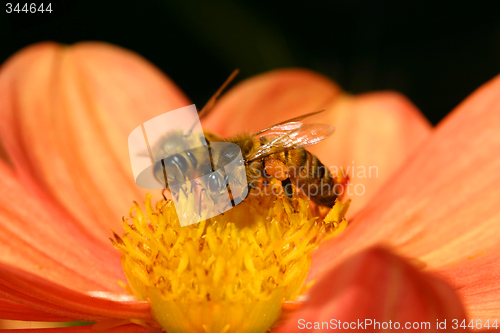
(311, 176)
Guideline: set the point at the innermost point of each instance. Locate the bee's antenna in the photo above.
(211, 102)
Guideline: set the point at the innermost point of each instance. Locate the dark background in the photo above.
(435, 53)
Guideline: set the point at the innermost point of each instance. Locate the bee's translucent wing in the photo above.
(289, 122)
(279, 130)
(303, 136)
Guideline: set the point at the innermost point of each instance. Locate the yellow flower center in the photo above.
(229, 273)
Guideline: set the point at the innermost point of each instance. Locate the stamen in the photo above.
(230, 273)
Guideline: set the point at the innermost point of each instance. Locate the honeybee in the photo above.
(274, 152)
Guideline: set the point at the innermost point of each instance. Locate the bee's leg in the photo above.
(201, 194)
(176, 195)
(226, 184)
(316, 211)
(229, 205)
(183, 190)
(288, 189)
(163, 194)
(276, 168)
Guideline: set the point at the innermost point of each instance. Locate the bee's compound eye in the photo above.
(213, 183)
(192, 158)
(177, 160)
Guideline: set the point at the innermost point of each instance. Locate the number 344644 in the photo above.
(28, 8)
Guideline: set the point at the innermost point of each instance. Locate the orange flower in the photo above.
(66, 114)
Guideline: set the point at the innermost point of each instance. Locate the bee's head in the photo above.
(172, 167)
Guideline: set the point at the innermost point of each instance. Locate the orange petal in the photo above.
(15, 311)
(478, 283)
(3, 154)
(66, 115)
(375, 133)
(30, 290)
(441, 206)
(377, 130)
(269, 98)
(131, 328)
(380, 287)
(39, 237)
